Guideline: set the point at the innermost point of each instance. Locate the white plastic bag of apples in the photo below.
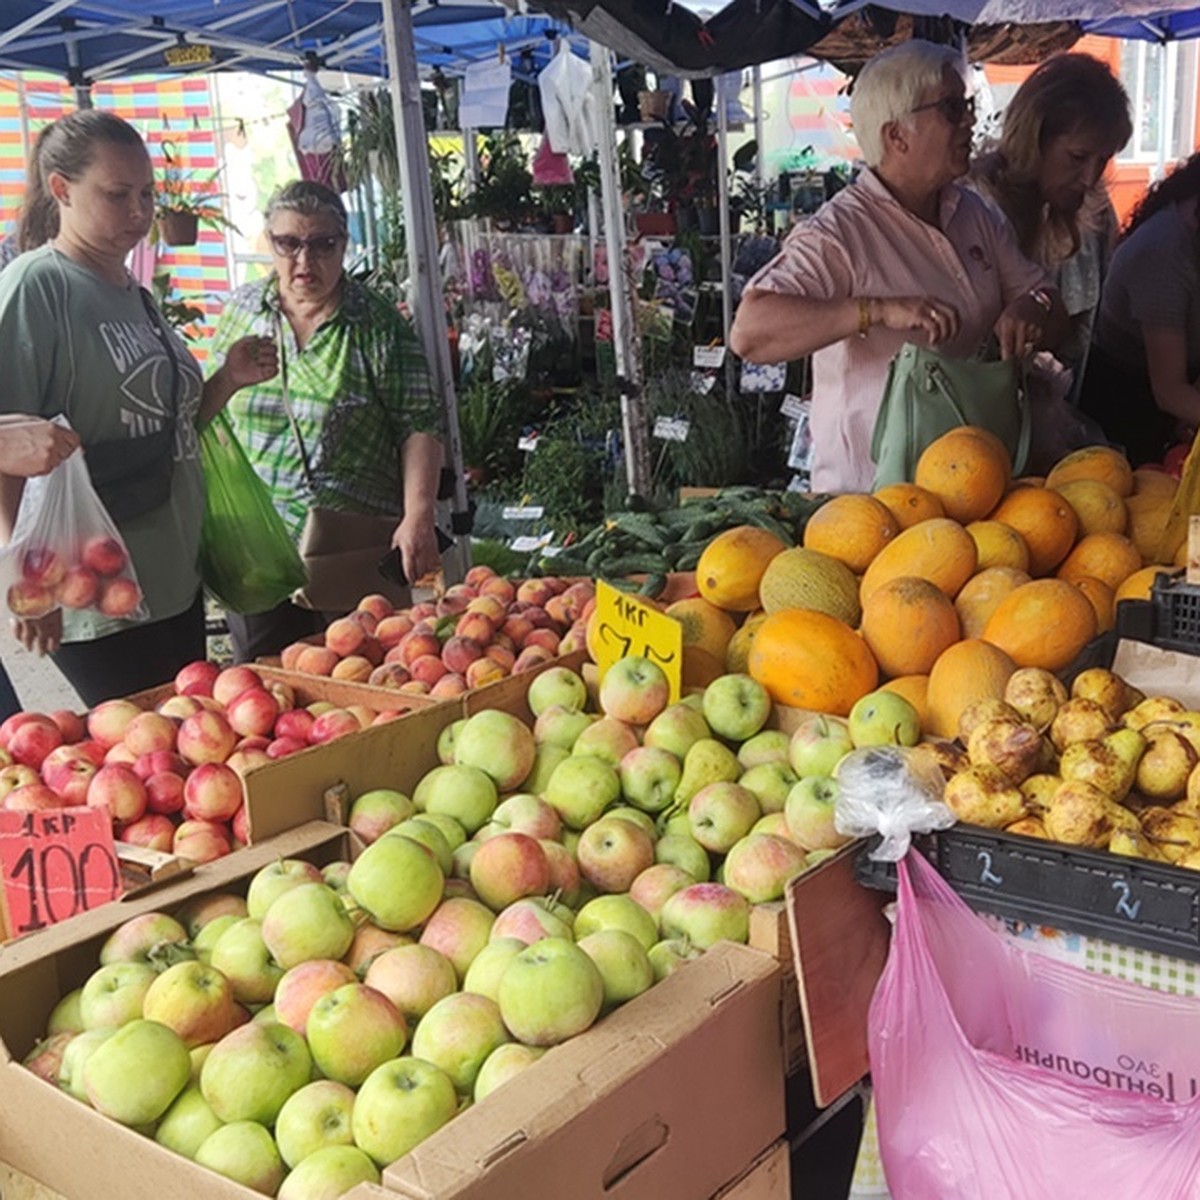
(66, 552)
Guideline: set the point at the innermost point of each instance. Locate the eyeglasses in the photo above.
(955, 109)
(322, 245)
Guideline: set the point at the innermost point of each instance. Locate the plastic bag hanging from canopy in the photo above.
(566, 88)
(322, 129)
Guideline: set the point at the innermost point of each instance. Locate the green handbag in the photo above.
(928, 393)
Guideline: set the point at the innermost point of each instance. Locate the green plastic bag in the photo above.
(247, 560)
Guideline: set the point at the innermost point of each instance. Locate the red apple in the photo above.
(29, 599)
(80, 588)
(153, 831)
(149, 733)
(282, 747)
(33, 740)
(104, 555)
(197, 678)
(70, 725)
(232, 682)
(13, 723)
(118, 789)
(206, 738)
(212, 792)
(41, 564)
(71, 779)
(108, 721)
(159, 761)
(253, 712)
(296, 724)
(164, 793)
(201, 841)
(33, 797)
(334, 724)
(120, 598)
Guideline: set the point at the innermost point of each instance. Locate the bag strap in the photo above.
(285, 398)
(164, 336)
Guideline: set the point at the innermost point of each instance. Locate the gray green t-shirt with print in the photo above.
(73, 343)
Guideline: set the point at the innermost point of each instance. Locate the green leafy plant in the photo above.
(188, 193)
(504, 191)
(177, 311)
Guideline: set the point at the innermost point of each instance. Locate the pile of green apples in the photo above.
(300, 1038)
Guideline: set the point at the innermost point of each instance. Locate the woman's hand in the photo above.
(416, 540)
(251, 360)
(1020, 328)
(30, 446)
(42, 635)
(936, 319)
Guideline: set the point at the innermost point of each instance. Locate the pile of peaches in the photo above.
(170, 779)
(476, 633)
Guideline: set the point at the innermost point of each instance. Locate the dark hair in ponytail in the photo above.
(1182, 183)
(67, 146)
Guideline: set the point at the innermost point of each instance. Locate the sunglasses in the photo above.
(289, 246)
(955, 109)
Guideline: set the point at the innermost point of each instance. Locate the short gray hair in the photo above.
(309, 199)
(891, 85)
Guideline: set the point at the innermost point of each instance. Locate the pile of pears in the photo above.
(1101, 766)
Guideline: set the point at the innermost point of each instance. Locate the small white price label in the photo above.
(523, 512)
(671, 429)
(528, 444)
(522, 545)
(552, 551)
(708, 356)
(792, 406)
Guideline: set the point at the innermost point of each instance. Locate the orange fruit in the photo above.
(981, 595)
(1148, 515)
(1138, 586)
(852, 528)
(908, 622)
(909, 504)
(1151, 479)
(1108, 557)
(968, 473)
(732, 565)
(1094, 462)
(1098, 508)
(1045, 520)
(939, 550)
(998, 545)
(1044, 623)
(966, 672)
(808, 659)
(1103, 600)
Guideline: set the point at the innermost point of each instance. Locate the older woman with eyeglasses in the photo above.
(904, 254)
(350, 422)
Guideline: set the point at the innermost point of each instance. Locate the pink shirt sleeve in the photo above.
(812, 263)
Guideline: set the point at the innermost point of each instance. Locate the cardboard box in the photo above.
(682, 1084)
(769, 933)
(770, 1178)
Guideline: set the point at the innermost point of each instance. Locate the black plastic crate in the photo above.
(1130, 901)
(1176, 613)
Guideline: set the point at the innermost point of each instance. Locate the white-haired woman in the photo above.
(904, 254)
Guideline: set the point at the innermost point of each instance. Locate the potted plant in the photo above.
(504, 190)
(182, 201)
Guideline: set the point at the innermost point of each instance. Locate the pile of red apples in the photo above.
(477, 632)
(98, 577)
(171, 779)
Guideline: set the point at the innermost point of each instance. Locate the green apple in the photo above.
(550, 992)
(676, 730)
(706, 913)
(771, 745)
(316, 1116)
(559, 727)
(810, 814)
(74, 1058)
(530, 920)
(643, 820)
(616, 912)
(502, 1064)
(458, 929)
(548, 757)
(488, 967)
(67, 1015)
(352, 1030)
(413, 978)
(187, 1123)
(463, 792)
(634, 690)
(760, 865)
(134, 1075)
(607, 739)
(142, 939)
(450, 828)
(667, 956)
(335, 874)
(196, 913)
(397, 881)
(622, 962)
(683, 851)
(498, 744)
(194, 1000)
(375, 812)
(523, 812)
(328, 1172)
(613, 853)
(245, 1152)
(208, 937)
(457, 1034)
(114, 994)
(770, 782)
(399, 1105)
(241, 955)
(509, 867)
(655, 884)
(721, 814)
(428, 835)
(447, 739)
(818, 744)
(307, 922)
(884, 718)
(649, 777)
(581, 788)
(274, 879)
(556, 686)
(250, 1072)
(736, 707)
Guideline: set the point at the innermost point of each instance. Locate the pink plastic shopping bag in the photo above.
(1005, 1075)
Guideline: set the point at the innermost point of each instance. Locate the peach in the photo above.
(282, 747)
(316, 660)
(478, 575)
(197, 678)
(28, 599)
(120, 753)
(391, 629)
(556, 610)
(353, 669)
(119, 598)
(380, 607)
(119, 790)
(180, 707)
(232, 682)
(212, 792)
(336, 723)
(458, 653)
(206, 738)
(492, 607)
(449, 686)
(484, 670)
(372, 651)
(290, 655)
(415, 687)
(535, 591)
(501, 589)
(518, 628)
(244, 761)
(502, 655)
(555, 584)
(476, 627)
(164, 793)
(576, 597)
(418, 644)
(201, 841)
(389, 675)
(574, 639)
(451, 606)
(80, 587)
(362, 714)
(428, 669)
(530, 657)
(153, 831)
(424, 609)
(344, 637)
(538, 617)
(504, 642)
(395, 656)
(295, 723)
(70, 725)
(545, 638)
(148, 733)
(365, 621)
(108, 721)
(33, 741)
(104, 555)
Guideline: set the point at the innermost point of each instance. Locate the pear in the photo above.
(1037, 791)
(1191, 801)
(1167, 764)
(1037, 694)
(1174, 833)
(1190, 860)
(1079, 815)
(1185, 724)
(984, 796)
(1123, 821)
(707, 761)
(1048, 759)
(1153, 708)
(945, 756)
(1028, 827)
(1107, 689)
(1009, 744)
(1134, 845)
(1078, 720)
(1136, 695)
(982, 710)
(1098, 764)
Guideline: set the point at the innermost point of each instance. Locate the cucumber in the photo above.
(654, 585)
(635, 564)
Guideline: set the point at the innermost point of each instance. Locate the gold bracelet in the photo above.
(864, 316)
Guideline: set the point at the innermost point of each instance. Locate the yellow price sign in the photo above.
(628, 627)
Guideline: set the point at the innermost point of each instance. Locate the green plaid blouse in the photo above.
(357, 389)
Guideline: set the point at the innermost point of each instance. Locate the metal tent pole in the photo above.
(634, 416)
(760, 165)
(421, 238)
(726, 250)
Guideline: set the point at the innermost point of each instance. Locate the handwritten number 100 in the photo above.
(46, 881)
